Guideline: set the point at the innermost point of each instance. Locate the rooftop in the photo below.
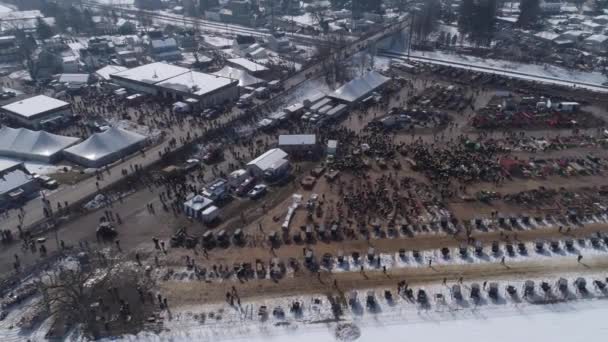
(247, 64)
(360, 87)
(268, 159)
(196, 83)
(108, 70)
(35, 105)
(13, 180)
(151, 73)
(297, 139)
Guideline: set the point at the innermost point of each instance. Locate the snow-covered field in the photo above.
(569, 317)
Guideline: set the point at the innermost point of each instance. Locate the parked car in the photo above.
(257, 191)
(245, 186)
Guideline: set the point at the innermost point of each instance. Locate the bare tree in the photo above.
(94, 294)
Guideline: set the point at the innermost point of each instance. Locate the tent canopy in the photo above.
(100, 147)
(360, 87)
(38, 145)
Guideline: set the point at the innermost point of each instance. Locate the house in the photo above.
(601, 19)
(550, 7)
(271, 164)
(9, 51)
(238, 12)
(279, 42)
(597, 43)
(16, 186)
(165, 49)
(70, 64)
(38, 112)
(127, 58)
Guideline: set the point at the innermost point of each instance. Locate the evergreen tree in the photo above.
(530, 10)
(477, 19)
(425, 21)
(43, 30)
(465, 16)
(127, 28)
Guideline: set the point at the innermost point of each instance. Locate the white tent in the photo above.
(105, 147)
(244, 78)
(358, 88)
(25, 144)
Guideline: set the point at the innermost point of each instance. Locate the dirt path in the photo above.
(181, 293)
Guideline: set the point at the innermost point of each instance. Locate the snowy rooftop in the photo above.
(151, 73)
(74, 78)
(244, 78)
(359, 87)
(547, 35)
(13, 180)
(18, 15)
(198, 203)
(106, 71)
(247, 64)
(297, 139)
(35, 105)
(196, 83)
(268, 159)
(597, 38)
(6, 164)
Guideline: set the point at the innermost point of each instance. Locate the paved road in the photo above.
(86, 188)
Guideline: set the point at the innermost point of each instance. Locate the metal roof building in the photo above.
(34, 111)
(267, 161)
(178, 83)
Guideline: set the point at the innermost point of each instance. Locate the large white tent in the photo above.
(244, 78)
(105, 147)
(25, 144)
(358, 88)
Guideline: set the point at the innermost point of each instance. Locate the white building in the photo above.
(195, 206)
(38, 111)
(271, 163)
(597, 43)
(178, 83)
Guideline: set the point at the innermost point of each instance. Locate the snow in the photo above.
(247, 64)
(36, 167)
(306, 19)
(218, 42)
(5, 9)
(151, 73)
(570, 318)
(35, 105)
(536, 72)
(196, 83)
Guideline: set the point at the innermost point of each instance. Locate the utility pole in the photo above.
(409, 42)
